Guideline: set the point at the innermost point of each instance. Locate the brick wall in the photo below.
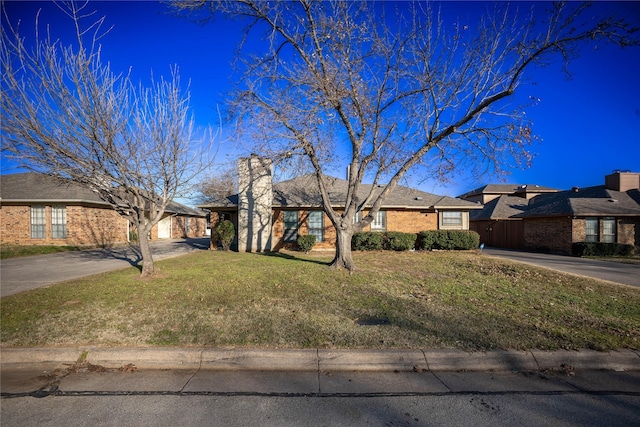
(408, 221)
(86, 226)
(629, 231)
(328, 242)
(197, 227)
(405, 221)
(549, 234)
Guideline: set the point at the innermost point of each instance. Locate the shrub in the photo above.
(602, 249)
(224, 231)
(366, 241)
(447, 240)
(305, 243)
(397, 241)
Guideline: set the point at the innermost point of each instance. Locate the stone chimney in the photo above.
(622, 181)
(255, 197)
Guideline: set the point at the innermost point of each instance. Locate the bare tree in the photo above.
(66, 114)
(394, 87)
(217, 187)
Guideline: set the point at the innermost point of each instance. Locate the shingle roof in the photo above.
(590, 201)
(596, 201)
(501, 208)
(33, 187)
(508, 189)
(303, 192)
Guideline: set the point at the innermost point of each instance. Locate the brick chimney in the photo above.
(255, 197)
(622, 181)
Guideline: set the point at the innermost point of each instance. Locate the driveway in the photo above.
(626, 274)
(26, 273)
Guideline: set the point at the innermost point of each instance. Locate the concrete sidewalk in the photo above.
(48, 371)
(322, 359)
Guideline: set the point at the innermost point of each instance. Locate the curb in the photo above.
(323, 360)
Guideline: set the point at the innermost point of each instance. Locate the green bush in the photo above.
(224, 231)
(366, 241)
(602, 249)
(447, 240)
(305, 243)
(396, 241)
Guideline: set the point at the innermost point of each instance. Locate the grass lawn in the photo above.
(395, 300)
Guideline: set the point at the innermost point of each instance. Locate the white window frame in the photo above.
(452, 218)
(38, 222)
(290, 234)
(591, 229)
(58, 222)
(318, 225)
(608, 230)
(379, 223)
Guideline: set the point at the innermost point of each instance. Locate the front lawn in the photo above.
(395, 300)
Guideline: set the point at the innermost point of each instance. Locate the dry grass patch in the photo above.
(395, 300)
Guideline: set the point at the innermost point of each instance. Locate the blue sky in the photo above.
(588, 126)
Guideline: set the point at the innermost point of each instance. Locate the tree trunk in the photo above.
(343, 258)
(148, 268)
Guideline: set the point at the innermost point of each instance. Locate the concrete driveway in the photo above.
(26, 273)
(626, 274)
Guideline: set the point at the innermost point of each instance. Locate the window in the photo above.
(380, 221)
(608, 230)
(316, 225)
(357, 217)
(290, 226)
(58, 222)
(38, 222)
(591, 229)
(452, 218)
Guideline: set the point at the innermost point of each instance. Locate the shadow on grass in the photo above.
(294, 258)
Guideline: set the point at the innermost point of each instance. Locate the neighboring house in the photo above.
(38, 210)
(270, 216)
(553, 220)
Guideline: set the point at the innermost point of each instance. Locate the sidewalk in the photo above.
(313, 371)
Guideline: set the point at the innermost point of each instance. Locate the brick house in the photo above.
(270, 216)
(552, 221)
(38, 210)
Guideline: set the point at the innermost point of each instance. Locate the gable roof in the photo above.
(508, 189)
(38, 188)
(303, 191)
(31, 187)
(589, 201)
(502, 207)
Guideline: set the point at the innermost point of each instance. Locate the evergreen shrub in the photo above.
(306, 243)
(224, 231)
(602, 249)
(447, 240)
(366, 241)
(397, 241)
